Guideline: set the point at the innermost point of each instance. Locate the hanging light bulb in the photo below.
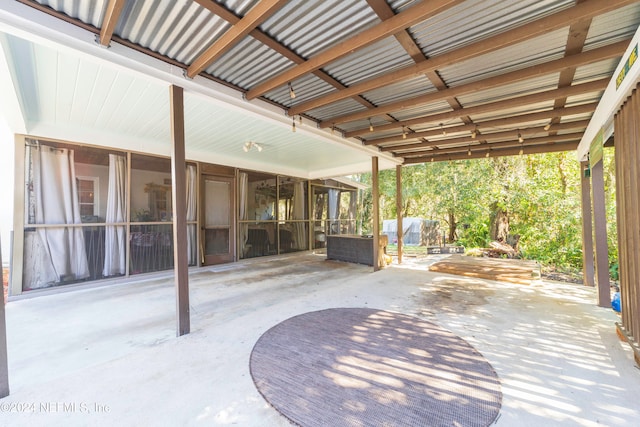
(521, 150)
(548, 126)
(469, 151)
(520, 138)
(444, 132)
(292, 94)
(487, 155)
(370, 126)
(300, 119)
(246, 147)
(474, 133)
(333, 130)
(258, 146)
(431, 159)
(404, 133)
(293, 125)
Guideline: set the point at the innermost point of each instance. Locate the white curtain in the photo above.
(243, 230)
(353, 209)
(56, 194)
(300, 235)
(115, 235)
(192, 251)
(334, 209)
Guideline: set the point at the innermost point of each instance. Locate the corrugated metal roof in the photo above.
(542, 83)
(90, 12)
(410, 88)
(613, 26)
(181, 30)
(311, 26)
(369, 62)
(522, 55)
(475, 20)
(252, 55)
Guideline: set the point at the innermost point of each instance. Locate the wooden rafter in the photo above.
(593, 86)
(525, 32)
(487, 137)
(575, 136)
(256, 16)
(519, 120)
(482, 153)
(270, 42)
(403, 20)
(573, 61)
(109, 21)
(384, 11)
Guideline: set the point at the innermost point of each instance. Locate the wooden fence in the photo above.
(627, 158)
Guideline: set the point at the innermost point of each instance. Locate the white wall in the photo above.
(6, 188)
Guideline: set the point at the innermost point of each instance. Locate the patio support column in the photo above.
(4, 367)
(600, 226)
(178, 180)
(588, 272)
(400, 229)
(376, 212)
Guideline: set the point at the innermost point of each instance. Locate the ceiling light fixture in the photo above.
(292, 94)
(250, 144)
(370, 126)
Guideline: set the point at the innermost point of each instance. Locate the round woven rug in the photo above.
(366, 367)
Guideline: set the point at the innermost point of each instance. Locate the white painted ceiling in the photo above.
(107, 99)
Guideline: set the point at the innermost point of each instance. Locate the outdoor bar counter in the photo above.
(355, 248)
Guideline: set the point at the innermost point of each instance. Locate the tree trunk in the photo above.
(452, 226)
(499, 228)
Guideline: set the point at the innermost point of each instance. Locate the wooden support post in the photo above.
(375, 190)
(600, 227)
(178, 180)
(400, 229)
(588, 272)
(4, 366)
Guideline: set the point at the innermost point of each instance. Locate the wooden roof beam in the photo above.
(224, 13)
(507, 121)
(575, 136)
(256, 16)
(607, 52)
(480, 154)
(109, 21)
(496, 136)
(525, 32)
(405, 19)
(593, 86)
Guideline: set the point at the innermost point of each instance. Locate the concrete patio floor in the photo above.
(108, 355)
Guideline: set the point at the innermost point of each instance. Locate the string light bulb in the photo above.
(404, 133)
(444, 132)
(469, 151)
(547, 126)
(293, 125)
(292, 93)
(487, 155)
(520, 138)
(474, 133)
(370, 126)
(521, 150)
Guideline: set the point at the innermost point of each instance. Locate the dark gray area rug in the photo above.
(366, 367)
